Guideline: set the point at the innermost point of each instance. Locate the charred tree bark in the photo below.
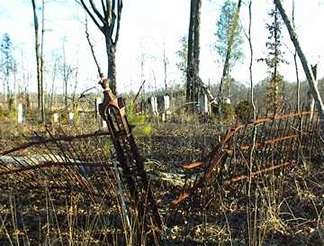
(196, 51)
(307, 70)
(193, 53)
(108, 22)
(190, 70)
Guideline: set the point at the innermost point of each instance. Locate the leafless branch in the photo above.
(91, 15)
(91, 47)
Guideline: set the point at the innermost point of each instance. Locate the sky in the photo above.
(148, 27)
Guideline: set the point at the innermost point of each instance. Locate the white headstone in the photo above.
(70, 117)
(203, 103)
(55, 118)
(163, 117)
(20, 114)
(167, 104)
(98, 101)
(104, 124)
(227, 100)
(154, 105)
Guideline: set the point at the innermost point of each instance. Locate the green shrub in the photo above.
(244, 111)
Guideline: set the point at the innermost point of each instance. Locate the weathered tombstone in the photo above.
(153, 105)
(227, 100)
(97, 102)
(103, 124)
(203, 106)
(167, 104)
(70, 118)
(56, 118)
(20, 114)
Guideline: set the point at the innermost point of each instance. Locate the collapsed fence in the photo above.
(263, 146)
(89, 164)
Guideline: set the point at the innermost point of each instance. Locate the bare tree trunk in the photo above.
(92, 49)
(196, 50)
(295, 60)
(165, 64)
(111, 53)
(190, 72)
(229, 48)
(108, 22)
(193, 53)
(42, 100)
(38, 59)
(312, 100)
(307, 70)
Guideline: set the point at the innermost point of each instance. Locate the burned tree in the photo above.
(108, 22)
(193, 52)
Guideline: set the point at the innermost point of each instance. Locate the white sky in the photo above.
(146, 27)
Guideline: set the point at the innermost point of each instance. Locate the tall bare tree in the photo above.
(309, 75)
(295, 59)
(230, 41)
(193, 52)
(108, 22)
(39, 60)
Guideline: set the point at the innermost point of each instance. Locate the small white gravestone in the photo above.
(154, 105)
(227, 100)
(163, 116)
(20, 114)
(70, 117)
(97, 102)
(103, 123)
(203, 103)
(167, 104)
(55, 118)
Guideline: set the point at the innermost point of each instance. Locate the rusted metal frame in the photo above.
(217, 157)
(120, 155)
(64, 138)
(30, 176)
(147, 187)
(53, 157)
(99, 178)
(293, 144)
(102, 180)
(46, 164)
(74, 154)
(126, 161)
(282, 146)
(313, 135)
(268, 150)
(77, 177)
(187, 191)
(307, 139)
(257, 173)
(279, 117)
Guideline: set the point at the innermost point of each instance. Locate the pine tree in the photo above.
(8, 63)
(273, 61)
